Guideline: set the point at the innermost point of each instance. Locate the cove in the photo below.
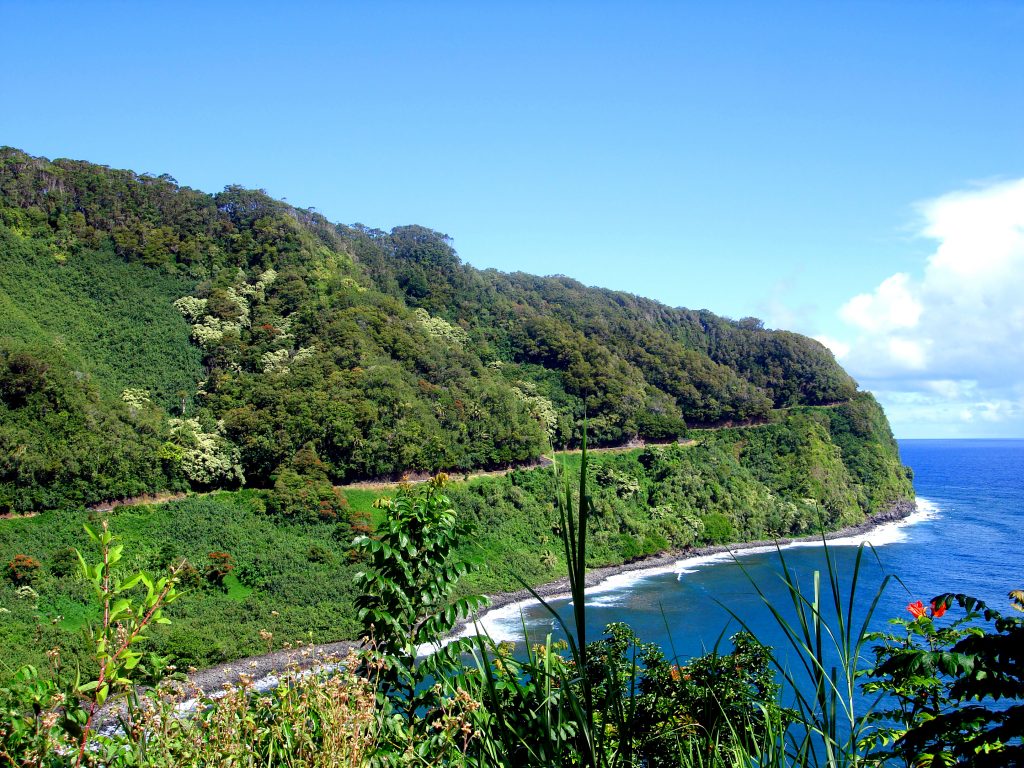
(963, 538)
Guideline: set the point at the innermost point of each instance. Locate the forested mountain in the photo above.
(153, 337)
(156, 338)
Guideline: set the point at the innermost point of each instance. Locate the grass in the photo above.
(361, 500)
(112, 318)
(235, 589)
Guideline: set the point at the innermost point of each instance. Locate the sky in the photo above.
(852, 171)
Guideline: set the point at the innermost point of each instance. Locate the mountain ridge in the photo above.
(233, 338)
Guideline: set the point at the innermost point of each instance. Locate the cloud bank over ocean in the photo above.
(946, 348)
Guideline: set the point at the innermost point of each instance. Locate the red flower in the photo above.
(938, 610)
(917, 609)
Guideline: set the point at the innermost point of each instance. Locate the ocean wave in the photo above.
(501, 624)
(896, 532)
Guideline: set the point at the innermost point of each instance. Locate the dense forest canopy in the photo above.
(154, 337)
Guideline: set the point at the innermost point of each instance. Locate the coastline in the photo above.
(560, 587)
(265, 669)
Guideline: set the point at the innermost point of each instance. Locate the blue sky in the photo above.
(850, 171)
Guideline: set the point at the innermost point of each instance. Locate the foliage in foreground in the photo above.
(954, 691)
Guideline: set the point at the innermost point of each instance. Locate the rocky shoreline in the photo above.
(897, 511)
(265, 669)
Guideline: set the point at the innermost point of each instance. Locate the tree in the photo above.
(406, 599)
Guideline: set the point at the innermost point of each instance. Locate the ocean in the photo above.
(965, 537)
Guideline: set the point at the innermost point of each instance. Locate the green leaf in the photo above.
(119, 608)
(132, 581)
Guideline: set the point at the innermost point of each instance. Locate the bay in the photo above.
(965, 537)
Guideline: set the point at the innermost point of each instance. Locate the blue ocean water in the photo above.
(966, 538)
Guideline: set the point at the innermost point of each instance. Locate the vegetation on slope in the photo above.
(156, 338)
(787, 478)
(290, 559)
(229, 333)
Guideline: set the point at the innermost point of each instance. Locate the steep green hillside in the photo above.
(796, 476)
(108, 317)
(292, 574)
(622, 353)
(244, 341)
(63, 444)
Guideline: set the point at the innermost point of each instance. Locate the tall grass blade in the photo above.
(829, 651)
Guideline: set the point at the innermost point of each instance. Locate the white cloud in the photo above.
(891, 306)
(910, 352)
(954, 335)
(839, 348)
(952, 390)
(964, 413)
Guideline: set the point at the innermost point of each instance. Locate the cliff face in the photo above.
(153, 337)
(812, 469)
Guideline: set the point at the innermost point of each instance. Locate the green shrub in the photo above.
(955, 689)
(718, 528)
(65, 562)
